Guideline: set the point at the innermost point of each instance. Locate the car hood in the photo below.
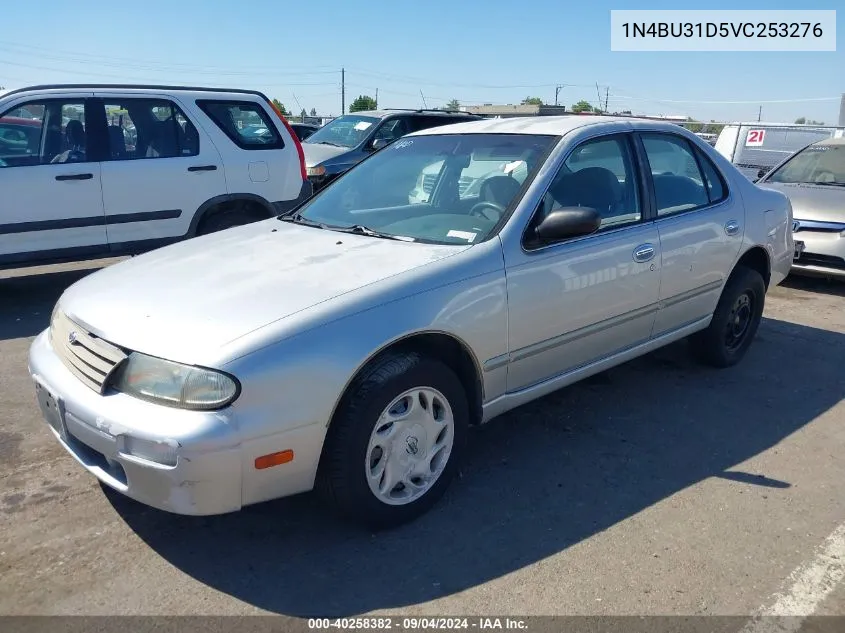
(813, 202)
(186, 301)
(316, 153)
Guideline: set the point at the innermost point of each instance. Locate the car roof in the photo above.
(47, 88)
(552, 125)
(380, 114)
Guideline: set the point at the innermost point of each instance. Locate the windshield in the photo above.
(345, 131)
(445, 189)
(817, 164)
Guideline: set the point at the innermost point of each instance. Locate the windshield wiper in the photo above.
(360, 229)
(297, 218)
(328, 143)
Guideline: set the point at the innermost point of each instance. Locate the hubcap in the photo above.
(739, 321)
(410, 446)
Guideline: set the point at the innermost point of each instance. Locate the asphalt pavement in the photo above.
(658, 487)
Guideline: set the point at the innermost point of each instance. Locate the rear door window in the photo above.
(246, 123)
(149, 128)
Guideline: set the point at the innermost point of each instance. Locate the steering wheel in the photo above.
(478, 210)
(825, 177)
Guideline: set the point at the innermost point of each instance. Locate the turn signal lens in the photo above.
(273, 459)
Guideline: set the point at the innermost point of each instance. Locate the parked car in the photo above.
(757, 147)
(101, 170)
(814, 180)
(349, 345)
(348, 139)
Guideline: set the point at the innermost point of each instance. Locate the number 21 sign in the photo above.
(755, 138)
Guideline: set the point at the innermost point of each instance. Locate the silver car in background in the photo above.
(350, 345)
(814, 180)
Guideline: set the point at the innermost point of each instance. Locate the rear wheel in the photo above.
(228, 218)
(735, 321)
(396, 443)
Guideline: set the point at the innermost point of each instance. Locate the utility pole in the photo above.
(342, 91)
(376, 98)
(606, 97)
(425, 105)
(557, 92)
(598, 92)
(759, 113)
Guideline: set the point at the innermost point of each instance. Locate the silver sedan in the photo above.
(814, 180)
(350, 345)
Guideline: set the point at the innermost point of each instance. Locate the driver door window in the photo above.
(598, 174)
(392, 130)
(44, 132)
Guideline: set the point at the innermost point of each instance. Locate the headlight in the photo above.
(175, 385)
(318, 170)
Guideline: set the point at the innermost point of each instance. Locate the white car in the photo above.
(102, 170)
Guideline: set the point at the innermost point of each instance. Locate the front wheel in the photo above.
(396, 443)
(735, 321)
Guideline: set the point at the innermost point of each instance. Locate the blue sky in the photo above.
(477, 52)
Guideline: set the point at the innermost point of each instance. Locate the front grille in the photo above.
(826, 261)
(89, 358)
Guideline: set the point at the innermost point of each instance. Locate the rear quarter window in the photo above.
(246, 123)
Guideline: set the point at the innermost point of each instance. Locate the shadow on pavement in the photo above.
(815, 284)
(28, 300)
(537, 481)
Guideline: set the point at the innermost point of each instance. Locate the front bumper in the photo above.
(96, 429)
(824, 250)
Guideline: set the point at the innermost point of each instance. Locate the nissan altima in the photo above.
(350, 344)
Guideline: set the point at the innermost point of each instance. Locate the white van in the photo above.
(757, 147)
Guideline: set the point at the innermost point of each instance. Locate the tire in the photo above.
(740, 307)
(222, 220)
(350, 460)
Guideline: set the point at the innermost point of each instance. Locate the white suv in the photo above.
(101, 170)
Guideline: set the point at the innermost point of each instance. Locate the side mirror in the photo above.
(379, 143)
(568, 222)
(762, 172)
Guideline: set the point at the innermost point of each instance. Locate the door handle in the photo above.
(75, 177)
(643, 253)
(203, 168)
(732, 227)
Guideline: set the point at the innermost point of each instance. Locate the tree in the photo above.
(302, 115)
(281, 107)
(532, 101)
(313, 111)
(581, 106)
(454, 104)
(363, 102)
(803, 120)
